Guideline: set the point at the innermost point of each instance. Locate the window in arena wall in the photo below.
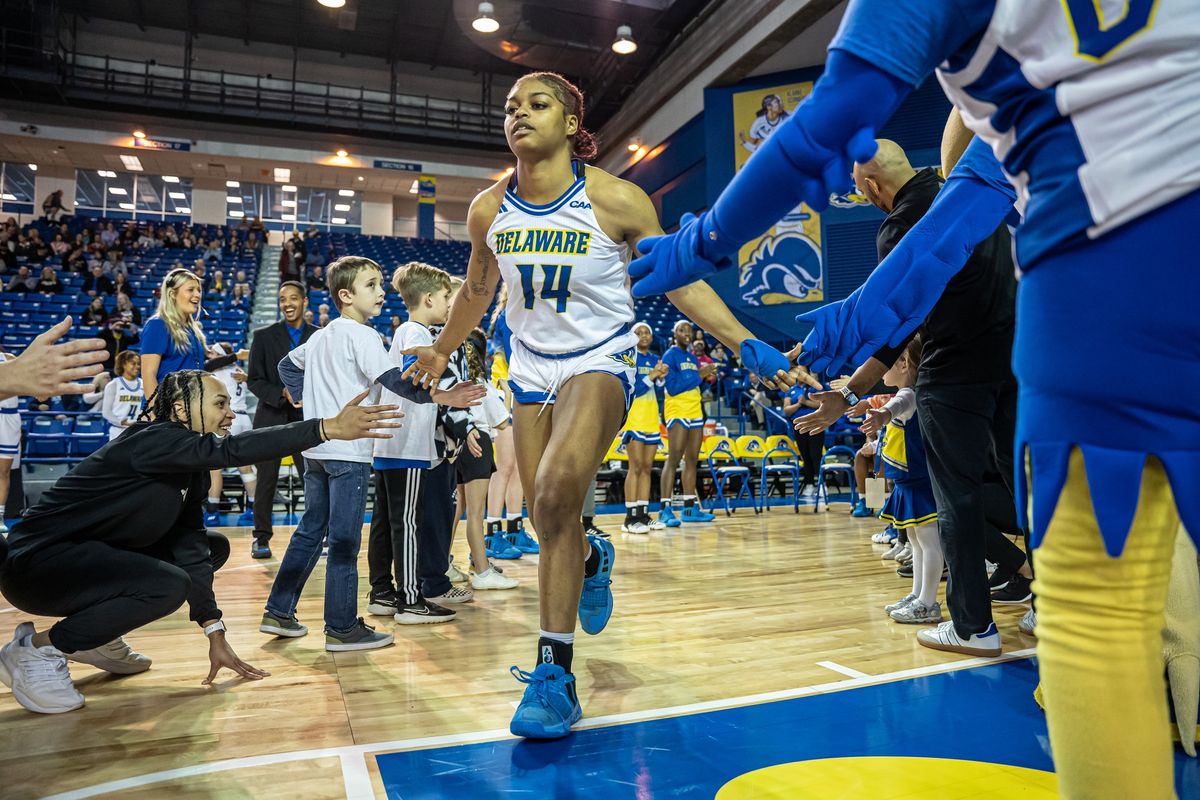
(18, 185)
(284, 206)
(124, 195)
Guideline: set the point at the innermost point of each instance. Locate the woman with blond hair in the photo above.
(172, 339)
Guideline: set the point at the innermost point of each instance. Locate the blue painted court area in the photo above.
(985, 714)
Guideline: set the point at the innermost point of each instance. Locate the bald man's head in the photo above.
(880, 178)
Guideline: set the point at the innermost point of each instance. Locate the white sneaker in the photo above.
(944, 637)
(901, 603)
(455, 574)
(918, 613)
(116, 657)
(896, 550)
(1028, 623)
(38, 676)
(809, 491)
(656, 524)
(492, 579)
(639, 526)
(455, 595)
(905, 555)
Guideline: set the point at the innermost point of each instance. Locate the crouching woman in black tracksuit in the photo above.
(119, 541)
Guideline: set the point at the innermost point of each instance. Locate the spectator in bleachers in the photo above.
(146, 240)
(39, 250)
(109, 236)
(170, 238)
(396, 323)
(49, 283)
(719, 356)
(200, 270)
(24, 250)
(700, 351)
(213, 253)
(187, 239)
(129, 236)
(308, 317)
(96, 313)
(240, 297)
(172, 339)
(121, 285)
(215, 290)
(123, 397)
(257, 227)
(23, 281)
(52, 206)
(120, 335)
(253, 244)
(315, 281)
(114, 264)
(8, 252)
(60, 247)
(97, 283)
(125, 307)
(241, 279)
(288, 270)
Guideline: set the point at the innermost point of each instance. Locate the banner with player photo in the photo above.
(785, 265)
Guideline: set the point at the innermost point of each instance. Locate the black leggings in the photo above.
(101, 592)
(811, 449)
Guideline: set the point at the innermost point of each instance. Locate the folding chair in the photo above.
(723, 451)
(779, 447)
(831, 463)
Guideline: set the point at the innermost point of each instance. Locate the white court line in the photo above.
(836, 667)
(362, 750)
(7, 610)
(248, 566)
(356, 777)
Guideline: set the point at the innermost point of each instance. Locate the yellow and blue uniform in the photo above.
(502, 336)
(903, 454)
(682, 403)
(642, 424)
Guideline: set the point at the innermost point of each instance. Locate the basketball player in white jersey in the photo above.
(561, 234)
(234, 378)
(124, 395)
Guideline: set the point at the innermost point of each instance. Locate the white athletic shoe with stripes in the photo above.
(38, 676)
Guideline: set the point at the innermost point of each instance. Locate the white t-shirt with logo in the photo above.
(340, 361)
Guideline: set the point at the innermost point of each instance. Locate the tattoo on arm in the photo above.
(486, 261)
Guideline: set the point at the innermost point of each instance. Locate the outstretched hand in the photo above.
(673, 260)
(877, 419)
(47, 368)
(832, 407)
(428, 367)
(462, 395)
(221, 656)
(356, 421)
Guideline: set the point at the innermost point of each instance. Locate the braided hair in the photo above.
(179, 386)
(583, 143)
(476, 349)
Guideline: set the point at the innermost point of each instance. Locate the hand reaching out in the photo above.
(877, 420)
(461, 395)
(832, 407)
(429, 366)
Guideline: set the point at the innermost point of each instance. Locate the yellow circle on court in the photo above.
(891, 778)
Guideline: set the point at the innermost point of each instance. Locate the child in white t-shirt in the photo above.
(338, 363)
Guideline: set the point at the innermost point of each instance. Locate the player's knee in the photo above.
(218, 550)
(558, 507)
(172, 588)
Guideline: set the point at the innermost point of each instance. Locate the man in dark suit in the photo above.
(275, 407)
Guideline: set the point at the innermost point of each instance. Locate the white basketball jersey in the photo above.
(237, 390)
(568, 283)
(1092, 106)
(128, 397)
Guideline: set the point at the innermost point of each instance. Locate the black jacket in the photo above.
(144, 492)
(270, 344)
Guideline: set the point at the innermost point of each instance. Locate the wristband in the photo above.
(219, 625)
(324, 436)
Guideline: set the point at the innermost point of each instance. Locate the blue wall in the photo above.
(693, 165)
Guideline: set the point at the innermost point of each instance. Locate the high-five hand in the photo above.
(461, 395)
(356, 421)
(428, 367)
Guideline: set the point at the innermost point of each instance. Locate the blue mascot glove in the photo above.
(671, 261)
(763, 360)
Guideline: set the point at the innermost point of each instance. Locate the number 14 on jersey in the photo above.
(556, 284)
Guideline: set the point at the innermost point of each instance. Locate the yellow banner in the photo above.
(785, 265)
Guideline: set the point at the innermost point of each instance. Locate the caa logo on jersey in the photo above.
(785, 268)
(580, 204)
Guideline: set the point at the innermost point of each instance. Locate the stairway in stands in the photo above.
(266, 301)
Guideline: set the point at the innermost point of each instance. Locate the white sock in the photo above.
(932, 559)
(1, 513)
(918, 553)
(564, 638)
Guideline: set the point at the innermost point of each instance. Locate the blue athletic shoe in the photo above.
(667, 517)
(246, 517)
(211, 519)
(498, 547)
(861, 510)
(521, 540)
(695, 514)
(259, 548)
(596, 601)
(549, 708)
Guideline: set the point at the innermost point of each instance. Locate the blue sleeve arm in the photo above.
(904, 288)
(675, 382)
(292, 377)
(394, 381)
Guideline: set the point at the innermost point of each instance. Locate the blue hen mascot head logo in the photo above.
(785, 268)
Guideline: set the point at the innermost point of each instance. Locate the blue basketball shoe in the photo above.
(667, 517)
(521, 540)
(499, 547)
(695, 513)
(596, 600)
(549, 707)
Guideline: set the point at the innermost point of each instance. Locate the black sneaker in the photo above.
(259, 548)
(999, 580)
(1017, 591)
(361, 637)
(382, 605)
(905, 571)
(592, 530)
(423, 612)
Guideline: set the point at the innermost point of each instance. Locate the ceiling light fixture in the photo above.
(289, 188)
(139, 134)
(624, 44)
(332, 3)
(170, 179)
(341, 207)
(282, 174)
(338, 220)
(177, 195)
(132, 163)
(237, 214)
(508, 170)
(346, 192)
(288, 217)
(232, 185)
(9, 196)
(633, 145)
(288, 203)
(117, 190)
(233, 199)
(33, 167)
(485, 22)
(343, 153)
(413, 189)
(183, 211)
(361, 178)
(126, 206)
(106, 173)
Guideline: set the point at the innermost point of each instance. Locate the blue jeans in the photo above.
(335, 500)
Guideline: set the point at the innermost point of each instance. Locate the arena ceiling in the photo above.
(573, 37)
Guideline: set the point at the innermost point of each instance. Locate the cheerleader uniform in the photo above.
(682, 403)
(642, 424)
